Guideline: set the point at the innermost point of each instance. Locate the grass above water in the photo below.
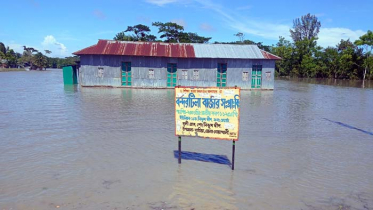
(11, 69)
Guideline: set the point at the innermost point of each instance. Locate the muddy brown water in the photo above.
(305, 145)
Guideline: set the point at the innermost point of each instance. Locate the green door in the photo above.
(171, 75)
(222, 75)
(70, 76)
(126, 74)
(256, 76)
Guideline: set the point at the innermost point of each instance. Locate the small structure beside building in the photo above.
(166, 65)
(70, 75)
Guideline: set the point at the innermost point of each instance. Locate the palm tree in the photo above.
(28, 55)
(40, 60)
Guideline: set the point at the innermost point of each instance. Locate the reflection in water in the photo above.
(70, 88)
(193, 191)
(107, 148)
(334, 82)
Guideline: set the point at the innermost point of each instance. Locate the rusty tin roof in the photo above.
(176, 50)
(268, 55)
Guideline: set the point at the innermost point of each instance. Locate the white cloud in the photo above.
(319, 15)
(332, 36)
(180, 22)
(16, 47)
(161, 2)
(105, 32)
(58, 49)
(143, 19)
(265, 28)
(34, 3)
(248, 25)
(262, 29)
(272, 30)
(206, 27)
(247, 7)
(99, 14)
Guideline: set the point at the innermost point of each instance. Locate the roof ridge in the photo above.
(276, 57)
(84, 49)
(175, 50)
(111, 40)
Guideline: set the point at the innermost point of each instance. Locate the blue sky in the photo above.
(65, 26)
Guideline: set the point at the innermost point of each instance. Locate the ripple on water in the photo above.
(98, 148)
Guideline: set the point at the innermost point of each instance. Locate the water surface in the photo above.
(305, 145)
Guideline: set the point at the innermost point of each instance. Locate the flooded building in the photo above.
(166, 65)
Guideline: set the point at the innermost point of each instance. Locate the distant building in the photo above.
(166, 65)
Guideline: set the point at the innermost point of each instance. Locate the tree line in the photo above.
(169, 32)
(302, 57)
(32, 58)
(173, 33)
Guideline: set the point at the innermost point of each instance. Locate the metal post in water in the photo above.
(179, 149)
(233, 151)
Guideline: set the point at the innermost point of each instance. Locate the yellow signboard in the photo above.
(207, 112)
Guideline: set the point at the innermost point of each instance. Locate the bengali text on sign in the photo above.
(207, 112)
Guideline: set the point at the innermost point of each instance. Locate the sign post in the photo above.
(207, 113)
(233, 151)
(179, 149)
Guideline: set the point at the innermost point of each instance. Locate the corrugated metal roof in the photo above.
(176, 50)
(156, 49)
(227, 51)
(268, 55)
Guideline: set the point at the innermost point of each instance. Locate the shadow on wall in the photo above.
(212, 158)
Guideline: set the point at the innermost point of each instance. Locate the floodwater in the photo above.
(302, 146)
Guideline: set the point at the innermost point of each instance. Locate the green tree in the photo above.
(345, 63)
(193, 38)
(11, 58)
(304, 49)
(142, 32)
(345, 44)
(263, 47)
(349, 50)
(170, 31)
(27, 57)
(307, 27)
(2, 48)
(240, 36)
(121, 36)
(246, 41)
(283, 49)
(330, 59)
(49, 64)
(366, 43)
(40, 60)
(304, 58)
